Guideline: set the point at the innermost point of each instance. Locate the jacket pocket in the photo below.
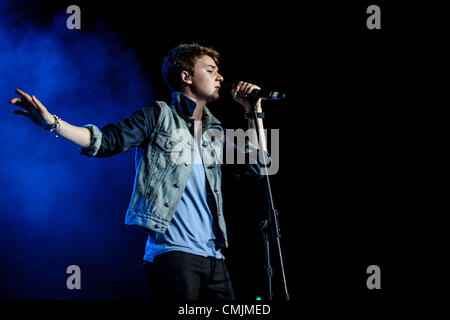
(165, 142)
(167, 149)
(166, 154)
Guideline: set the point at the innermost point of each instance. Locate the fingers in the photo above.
(21, 112)
(243, 89)
(24, 94)
(37, 102)
(26, 101)
(21, 102)
(15, 101)
(34, 109)
(39, 106)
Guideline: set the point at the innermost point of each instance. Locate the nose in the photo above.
(219, 77)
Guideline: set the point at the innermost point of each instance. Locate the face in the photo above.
(206, 79)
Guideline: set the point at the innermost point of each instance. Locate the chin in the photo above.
(214, 97)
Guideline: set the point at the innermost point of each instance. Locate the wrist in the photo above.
(258, 109)
(251, 115)
(49, 119)
(54, 125)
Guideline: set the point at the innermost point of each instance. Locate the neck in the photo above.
(198, 113)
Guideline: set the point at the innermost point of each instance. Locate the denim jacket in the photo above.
(164, 137)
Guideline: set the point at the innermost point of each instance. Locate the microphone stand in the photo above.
(269, 227)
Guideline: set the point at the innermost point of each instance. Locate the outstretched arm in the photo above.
(36, 112)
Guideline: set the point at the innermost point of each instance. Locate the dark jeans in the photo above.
(177, 275)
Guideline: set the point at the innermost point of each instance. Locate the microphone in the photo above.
(259, 94)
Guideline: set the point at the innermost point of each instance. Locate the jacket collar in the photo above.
(185, 107)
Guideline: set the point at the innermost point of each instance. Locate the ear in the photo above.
(186, 77)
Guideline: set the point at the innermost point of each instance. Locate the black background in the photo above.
(349, 190)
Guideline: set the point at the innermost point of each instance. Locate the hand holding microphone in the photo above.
(241, 92)
(244, 92)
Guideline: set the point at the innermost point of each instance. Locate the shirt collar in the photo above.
(186, 106)
(183, 104)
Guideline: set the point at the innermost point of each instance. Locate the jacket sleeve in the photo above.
(124, 135)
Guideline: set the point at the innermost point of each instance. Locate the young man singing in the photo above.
(177, 195)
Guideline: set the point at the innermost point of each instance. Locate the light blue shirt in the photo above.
(192, 228)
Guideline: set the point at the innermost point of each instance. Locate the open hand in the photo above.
(34, 109)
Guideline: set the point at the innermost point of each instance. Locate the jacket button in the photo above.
(166, 204)
(186, 163)
(189, 124)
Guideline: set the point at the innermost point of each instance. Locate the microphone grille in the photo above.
(278, 96)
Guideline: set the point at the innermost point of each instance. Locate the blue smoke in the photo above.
(58, 207)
